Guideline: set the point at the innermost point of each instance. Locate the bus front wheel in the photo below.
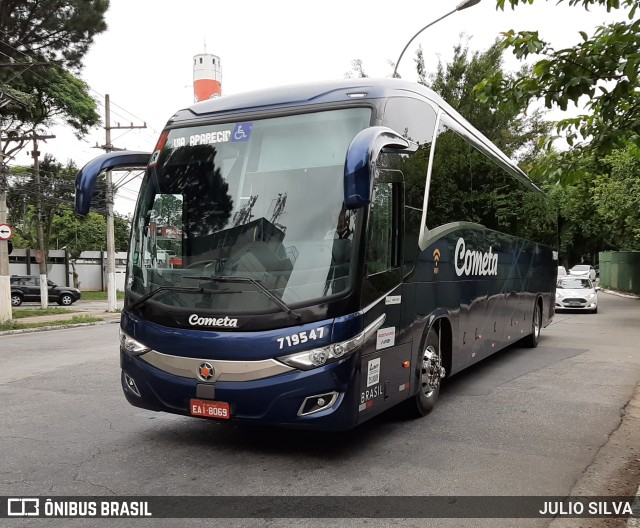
(431, 373)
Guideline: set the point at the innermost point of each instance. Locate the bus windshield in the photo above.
(260, 200)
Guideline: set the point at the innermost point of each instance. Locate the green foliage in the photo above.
(59, 222)
(88, 233)
(22, 313)
(99, 295)
(45, 41)
(51, 30)
(609, 4)
(76, 319)
(599, 71)
(420, 67)
(55, 93)
(515, 133)
(56, 191)
(616, 196)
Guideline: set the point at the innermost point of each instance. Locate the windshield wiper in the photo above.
(239, 280)
(148, 296)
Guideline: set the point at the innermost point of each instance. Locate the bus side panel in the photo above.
(488, 310)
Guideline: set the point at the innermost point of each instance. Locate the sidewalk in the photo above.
(96, 309)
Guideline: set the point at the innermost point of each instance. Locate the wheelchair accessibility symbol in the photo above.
(241, 132)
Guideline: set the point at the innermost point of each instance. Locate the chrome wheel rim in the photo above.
(536, 322)
(432, 371)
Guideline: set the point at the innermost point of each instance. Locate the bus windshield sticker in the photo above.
(393, 299)
(241, 132)
(386, 337)
(208, 138)
(373, 372)
(154, 158)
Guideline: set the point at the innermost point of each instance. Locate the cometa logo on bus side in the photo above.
(469, 262)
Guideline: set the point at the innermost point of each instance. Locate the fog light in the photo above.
(131, 385)
(317, 403)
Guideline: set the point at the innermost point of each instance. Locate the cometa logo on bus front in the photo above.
(469, 262)
(196, 320)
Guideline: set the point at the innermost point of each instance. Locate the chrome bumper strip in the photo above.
(224, 370)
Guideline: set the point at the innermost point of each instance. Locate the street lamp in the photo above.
(459, 7)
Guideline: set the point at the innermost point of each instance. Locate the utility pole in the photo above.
(111, 239)
(44, 290)
(5, 281)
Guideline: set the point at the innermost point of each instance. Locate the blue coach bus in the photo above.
(336, 249)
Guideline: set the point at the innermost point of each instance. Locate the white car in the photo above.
(576, 293)
(583, 270)
(562, 271)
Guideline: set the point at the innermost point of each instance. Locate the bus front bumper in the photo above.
(287, 399)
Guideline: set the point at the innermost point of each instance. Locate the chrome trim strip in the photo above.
(187, 367)
(373, 327)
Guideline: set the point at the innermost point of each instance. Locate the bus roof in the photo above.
(323, 92)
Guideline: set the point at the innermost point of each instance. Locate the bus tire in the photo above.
(431, 374)
(533, 338)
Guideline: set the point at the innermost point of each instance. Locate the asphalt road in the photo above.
(524, 422)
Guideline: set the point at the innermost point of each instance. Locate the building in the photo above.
(207, 77)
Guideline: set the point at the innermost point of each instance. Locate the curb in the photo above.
(56, 327)
(620, 294)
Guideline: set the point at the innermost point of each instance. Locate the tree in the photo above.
(56, 191)
(582, 231)
(51, 30)
(600, 70)
(87, 234)
(616, 196)
(44, 42)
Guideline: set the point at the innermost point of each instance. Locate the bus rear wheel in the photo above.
(431, 373)
(536, 326)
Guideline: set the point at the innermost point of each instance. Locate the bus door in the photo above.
(386, 358)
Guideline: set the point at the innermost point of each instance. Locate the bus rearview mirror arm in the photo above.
(359, 165)
(88, 175)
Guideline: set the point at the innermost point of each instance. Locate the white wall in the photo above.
(91, 268)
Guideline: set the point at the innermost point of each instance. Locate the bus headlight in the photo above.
(318, 357)
(131, 346)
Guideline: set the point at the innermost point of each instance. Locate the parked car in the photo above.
(562, 271)
(583, 270)
(27, 288)
(576, 293)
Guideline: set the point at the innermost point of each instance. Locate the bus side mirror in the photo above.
(360, 161)
(88, 175)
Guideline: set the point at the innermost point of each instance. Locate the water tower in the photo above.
(207, 77)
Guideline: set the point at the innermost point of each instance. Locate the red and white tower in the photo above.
(207, 77)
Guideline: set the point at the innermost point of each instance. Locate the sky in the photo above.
(144, 59)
